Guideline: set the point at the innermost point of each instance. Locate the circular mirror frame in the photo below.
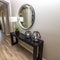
(33, 15)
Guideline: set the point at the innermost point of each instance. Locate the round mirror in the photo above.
(26, 16)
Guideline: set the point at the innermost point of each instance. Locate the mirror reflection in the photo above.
(27, 16)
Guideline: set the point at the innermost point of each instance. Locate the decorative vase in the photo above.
(36, 36)
(28, 34)
(17, 33)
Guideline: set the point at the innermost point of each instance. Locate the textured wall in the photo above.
(47, 22)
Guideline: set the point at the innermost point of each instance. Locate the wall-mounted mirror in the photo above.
(26, 16)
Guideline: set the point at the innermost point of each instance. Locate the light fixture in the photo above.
(13, 19)
(13, 22)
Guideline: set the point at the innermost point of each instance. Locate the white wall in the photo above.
(47, 22)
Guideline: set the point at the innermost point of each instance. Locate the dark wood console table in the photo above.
(36, 45)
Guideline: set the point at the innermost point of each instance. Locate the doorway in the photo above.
(4, 18)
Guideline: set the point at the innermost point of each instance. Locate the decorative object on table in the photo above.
(36, 36)
(17, 31)
(28, 34)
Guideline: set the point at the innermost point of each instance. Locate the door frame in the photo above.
(7, 14)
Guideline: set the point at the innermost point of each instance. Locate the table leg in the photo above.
(40, 51)
(16, 41)
(12, 40)
(35, 53)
